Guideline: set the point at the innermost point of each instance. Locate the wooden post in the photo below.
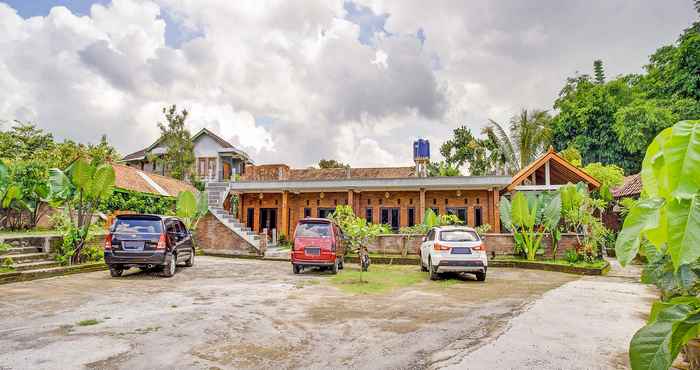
(546, 174)
(351, 201)
(284, 229)
(496, 225)
(421, 205)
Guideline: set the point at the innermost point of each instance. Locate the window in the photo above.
(411, 217)
(201, 167)
(436, 210)
(307, 212)
(137, 225)
(313, 230)
(460, 212)
(325, 212)
(211, 167)
(368, 215)
(477, 217)
(390, 216)
(458, 236)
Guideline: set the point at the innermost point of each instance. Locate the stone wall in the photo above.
(213, 237)
(48, 243)
(500, 244)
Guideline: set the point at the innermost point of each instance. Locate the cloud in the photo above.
(353, 81)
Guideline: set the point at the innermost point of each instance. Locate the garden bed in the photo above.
(13, 277)
(579, 268)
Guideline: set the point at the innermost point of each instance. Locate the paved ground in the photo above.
(230, 313)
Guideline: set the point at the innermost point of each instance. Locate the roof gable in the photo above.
(564, 171)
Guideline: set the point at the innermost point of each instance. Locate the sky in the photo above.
(296, 81)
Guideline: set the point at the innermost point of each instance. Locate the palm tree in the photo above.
(529, 136)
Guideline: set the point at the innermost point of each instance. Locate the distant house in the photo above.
(216, 158)
(630, 188)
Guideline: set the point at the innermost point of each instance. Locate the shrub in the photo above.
(571, 256)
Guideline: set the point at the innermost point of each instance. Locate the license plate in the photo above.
(133, 245)
(461, 250)
(312, 251)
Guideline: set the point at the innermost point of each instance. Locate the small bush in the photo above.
(88, 322)
(571, 256)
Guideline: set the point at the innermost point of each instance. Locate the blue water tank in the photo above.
(421, 149)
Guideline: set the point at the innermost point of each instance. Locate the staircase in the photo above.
(26, 258)
(216, 192)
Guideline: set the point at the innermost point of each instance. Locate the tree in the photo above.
(598, 71)
(178, 158)
(610, 176)
(80, 189)
(442, 169)
(572, 155)
(331, 163)
(530, 133)
(465, 149)
(23, 141)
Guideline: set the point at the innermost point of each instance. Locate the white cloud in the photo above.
(291, 82)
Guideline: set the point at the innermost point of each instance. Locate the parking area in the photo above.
(236, 313)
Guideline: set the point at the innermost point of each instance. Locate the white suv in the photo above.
(453, 249)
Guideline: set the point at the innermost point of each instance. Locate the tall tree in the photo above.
(598, 71)
(442, 169)
(23, 141)
(331, 163)
(179, 158)
(529, 136)
(466, 149)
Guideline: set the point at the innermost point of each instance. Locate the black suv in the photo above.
(148, 241)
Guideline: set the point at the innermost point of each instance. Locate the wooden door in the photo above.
(227, 171)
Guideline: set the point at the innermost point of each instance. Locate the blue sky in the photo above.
(31, 8)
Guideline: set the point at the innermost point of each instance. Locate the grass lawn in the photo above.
(561, 262)
(379, 278)
(9, 234)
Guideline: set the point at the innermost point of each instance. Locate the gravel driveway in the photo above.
(235, 313)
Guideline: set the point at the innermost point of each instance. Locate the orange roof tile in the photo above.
(128, 178)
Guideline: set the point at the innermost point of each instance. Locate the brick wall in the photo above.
(502, 244)
(214, 237)
(396, 244)
(265, 172)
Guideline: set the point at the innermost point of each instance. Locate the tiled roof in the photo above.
(135, 155)
(352, 173)
(225, 144)
(631, 187)
(133, 179)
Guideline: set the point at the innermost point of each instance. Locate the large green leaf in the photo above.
(186, 204)
(202, 204)
(81, 174)
(520, 213)
(505, 212)
(684, 230)
(643, 216)
(552, 213)
(4, 173)
(651, 347)
(13, 193)
(102, 183)
(682, 159)
(654, 178)
(59, 184)
(430, 218)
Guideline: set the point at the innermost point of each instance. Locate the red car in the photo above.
(317, 242)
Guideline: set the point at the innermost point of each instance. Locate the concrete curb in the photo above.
(14, 277)
(536, 265)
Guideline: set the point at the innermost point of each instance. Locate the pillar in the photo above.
(421, 205)
(351, 201)
(239, 208)
(496, 225)
(284, 222)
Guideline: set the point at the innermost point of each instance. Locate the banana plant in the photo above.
(667, 217)
(190, 208)
(524, 219)
(79, 189)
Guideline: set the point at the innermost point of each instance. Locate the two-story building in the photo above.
(216, 158)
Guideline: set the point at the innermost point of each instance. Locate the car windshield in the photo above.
(458, 236)
(137, 226)
(314, 230)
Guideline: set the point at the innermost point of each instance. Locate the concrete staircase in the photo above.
(26, 258)
(216, 192)
(276, 253)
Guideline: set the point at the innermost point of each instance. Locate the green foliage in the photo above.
(442, 169)
(572, 155)
(123, 200)
(80, 189)
(465, 149)
(667, 223)
(4, 247)
(571, 256)
(610, 176)
(331, 163)
(599, 71)
(179, 156)
(483, 229)
(578, 211)
(191, 209)
(358, 232)
(524, 219)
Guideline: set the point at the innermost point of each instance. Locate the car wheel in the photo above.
(422, 266)
(296, 268)
(481, 276)
(432, 271)
(334, 268)
(190, 262)
(115, 271)
(170, 267)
